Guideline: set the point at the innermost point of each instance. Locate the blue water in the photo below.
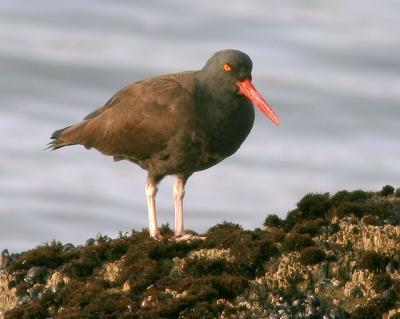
(329, 69)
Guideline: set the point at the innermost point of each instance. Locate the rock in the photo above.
(389, 295)
(4, 259)
(52, 309)
(90, 242)
(68, 247)
(35, 274)
(34, 291)
(296, 303)
(149, 302)
(24, 299)
(391, 267)
(126, 287)
(333, 228)
(313, 300)
(152, 299)
(101, 239)
(232, 269)
(8, 294)
(335, 314)
(57, 280)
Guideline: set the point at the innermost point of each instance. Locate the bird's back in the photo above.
(157, 123)
(137, 122)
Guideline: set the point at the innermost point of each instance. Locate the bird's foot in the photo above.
(157, 236)
(187, 237)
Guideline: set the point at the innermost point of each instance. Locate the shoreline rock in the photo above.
(333, 257)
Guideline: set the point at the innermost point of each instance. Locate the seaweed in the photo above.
(380, 209)
(382, 282)
(314, 205)
(203, 278)
(296, 241)
(48, 255)
(273, 221)
(312, 256)
(370, 311)
(387, 190)
(311, 227)
(371, 220)
(373, 261)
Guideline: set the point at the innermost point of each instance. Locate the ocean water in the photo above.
(330, 70)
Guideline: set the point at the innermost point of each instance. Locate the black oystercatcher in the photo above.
(174, 124)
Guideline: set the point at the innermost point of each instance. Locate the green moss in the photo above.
(250, 250)
(314, 205)
(277, 236)
(266, 248)
(34, 310)
(201, 281)
(22, 288)
(387, 190)
(369, 311)
(312, 256)
(273, 221)
(48, 255)
(226, 235)
(340, 197)
(380, 209)
(346, 209)
(229, 286)
(203, 310)
(171, 249)
(311, 227)
(358, 196)
(346, 196)
(373, 261)
(382, 282)
(296, 241)
(199, 267)
(371, 220)
(83, 264)
(291, 219)
(376, 307)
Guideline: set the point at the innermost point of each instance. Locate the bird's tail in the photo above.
(66, 136)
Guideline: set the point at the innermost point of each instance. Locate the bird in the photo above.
(175, 124)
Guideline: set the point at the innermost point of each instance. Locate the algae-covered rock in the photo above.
(332, 257)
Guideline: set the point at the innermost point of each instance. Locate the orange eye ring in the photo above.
(227, 67)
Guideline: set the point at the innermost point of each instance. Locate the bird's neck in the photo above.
(214, 104)
(215, 95)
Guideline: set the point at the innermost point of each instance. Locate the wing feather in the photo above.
(137, 121)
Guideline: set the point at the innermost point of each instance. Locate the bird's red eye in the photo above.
(227, 67)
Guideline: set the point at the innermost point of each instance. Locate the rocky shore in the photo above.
(334, 256)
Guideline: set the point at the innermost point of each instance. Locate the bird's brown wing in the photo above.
(136, 122)
(111, 102)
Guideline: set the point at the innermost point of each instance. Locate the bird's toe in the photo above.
(157, 236)
(188, 237)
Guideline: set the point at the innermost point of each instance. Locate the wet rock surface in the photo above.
(333, 257)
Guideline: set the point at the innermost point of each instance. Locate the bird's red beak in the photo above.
(248, 90)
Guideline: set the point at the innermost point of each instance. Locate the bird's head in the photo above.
(230, 70)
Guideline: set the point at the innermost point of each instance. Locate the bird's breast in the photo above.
(222, 130)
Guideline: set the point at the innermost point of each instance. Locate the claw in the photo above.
(157, 236)
(187, 237)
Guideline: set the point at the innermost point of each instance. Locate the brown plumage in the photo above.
(174, 124)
